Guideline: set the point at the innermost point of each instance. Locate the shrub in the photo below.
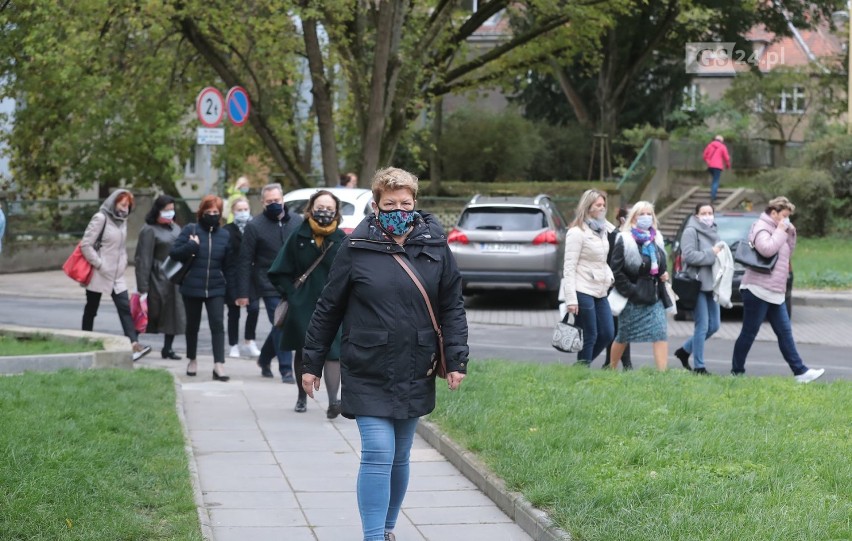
(563, 154)
(833, 153)
(483, 146)
(810, 190)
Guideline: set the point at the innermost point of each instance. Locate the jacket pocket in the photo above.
(365, 353)
(426, 354)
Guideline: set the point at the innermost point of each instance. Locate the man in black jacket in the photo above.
(262, 239)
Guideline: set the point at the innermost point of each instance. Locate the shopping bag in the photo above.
(139, 311)
(77, 267)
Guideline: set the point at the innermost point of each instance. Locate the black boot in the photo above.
(683, 357)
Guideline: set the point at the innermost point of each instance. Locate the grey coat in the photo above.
(696, 251)
(110, 261)
(166, 313)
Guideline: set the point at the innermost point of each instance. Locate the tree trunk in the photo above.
(322, 103)
(371, 142)
(435, 157)
(573, 97)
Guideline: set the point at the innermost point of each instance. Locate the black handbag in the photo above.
(747, 256)
(687, 288)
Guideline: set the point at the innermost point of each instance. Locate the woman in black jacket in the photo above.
(639, 265)
(241, 216)
(389, 348)
(204, 247)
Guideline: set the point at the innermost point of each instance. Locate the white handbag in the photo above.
(617, 302)
(567, 337)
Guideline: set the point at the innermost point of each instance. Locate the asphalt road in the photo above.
(512, 328)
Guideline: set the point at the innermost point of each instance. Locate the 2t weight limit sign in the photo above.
(210, 107)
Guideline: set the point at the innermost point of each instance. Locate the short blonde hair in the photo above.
(588, 199)
(780, 203)
(637, 208)
(236, 200)
(391, 179)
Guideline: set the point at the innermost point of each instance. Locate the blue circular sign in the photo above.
(238, 105)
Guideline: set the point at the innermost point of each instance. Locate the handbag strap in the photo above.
(417, 283)
(100, 238)
(304, 277)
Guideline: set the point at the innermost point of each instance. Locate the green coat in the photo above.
(298, 253)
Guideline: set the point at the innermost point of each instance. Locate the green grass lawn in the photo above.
(39, 344)
(647, 456)
(823, 263)
(95, 455)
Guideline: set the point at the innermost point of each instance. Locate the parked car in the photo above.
(354, 203)
(732, 227)
(510, 243)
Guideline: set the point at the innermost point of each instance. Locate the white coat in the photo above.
(586, 270)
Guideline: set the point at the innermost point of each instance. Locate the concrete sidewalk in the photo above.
(263, 472)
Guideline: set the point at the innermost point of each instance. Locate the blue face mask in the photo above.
(644, 222)
(396, 221)
(273, 210)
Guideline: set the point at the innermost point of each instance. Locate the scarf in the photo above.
(649, 248)
(597, 227)
(321, 231)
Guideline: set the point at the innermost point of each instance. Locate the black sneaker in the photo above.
(265, 370)
(301, 405)
(702, 371)
(683, 357)
(287, 377)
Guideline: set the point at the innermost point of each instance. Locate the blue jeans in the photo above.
(706, 313)
(715, 175)
(272, 344)
(595, 318)
(383, 476)
(755, 310)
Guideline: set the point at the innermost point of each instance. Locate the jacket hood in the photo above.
(108, 206)
(708, 232)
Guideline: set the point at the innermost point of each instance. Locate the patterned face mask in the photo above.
(323, 217)
(396, 221)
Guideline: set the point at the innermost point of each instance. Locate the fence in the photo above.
(639, 172)
(751, 154)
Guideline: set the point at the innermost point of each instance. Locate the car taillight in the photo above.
(547, 237)
(457, 236)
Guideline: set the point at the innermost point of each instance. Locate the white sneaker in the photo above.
(235, 352)
(810, 375)
(252, 349)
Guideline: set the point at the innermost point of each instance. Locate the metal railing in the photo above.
(638, 173)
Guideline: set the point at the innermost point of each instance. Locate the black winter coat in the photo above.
(235, 242)
(388, 340)
(262, 240)
(632, 271)
(206, 276)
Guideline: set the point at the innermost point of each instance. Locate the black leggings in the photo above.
(215, 316)
(122, 305)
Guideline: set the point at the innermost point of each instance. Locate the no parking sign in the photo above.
(238, 105)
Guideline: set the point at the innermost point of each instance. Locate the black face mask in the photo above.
(210, 221)
(273, 210)
(323, 217)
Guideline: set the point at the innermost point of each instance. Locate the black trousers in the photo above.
(216, 318)
(122, 305)
(252, 314)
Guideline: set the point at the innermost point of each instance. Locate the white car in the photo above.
(354, 203)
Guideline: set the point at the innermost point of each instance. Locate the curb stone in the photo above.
(533, 521)
(203, 514)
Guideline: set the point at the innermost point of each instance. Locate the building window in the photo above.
(792, 101)
(691, 95)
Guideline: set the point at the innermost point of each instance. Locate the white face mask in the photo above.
(706, 220)
(167, 214)
(242, 216)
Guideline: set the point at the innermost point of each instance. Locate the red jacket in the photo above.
(716, 155)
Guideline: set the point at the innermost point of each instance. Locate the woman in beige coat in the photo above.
(587, 277)
(109, 261)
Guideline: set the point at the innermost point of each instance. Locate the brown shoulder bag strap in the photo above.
(435, 325)
(304, 277)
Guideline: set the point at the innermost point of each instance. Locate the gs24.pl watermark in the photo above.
(722, 58)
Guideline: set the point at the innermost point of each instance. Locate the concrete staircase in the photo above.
(673, 216)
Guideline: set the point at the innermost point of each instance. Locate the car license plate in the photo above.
(501, 247)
